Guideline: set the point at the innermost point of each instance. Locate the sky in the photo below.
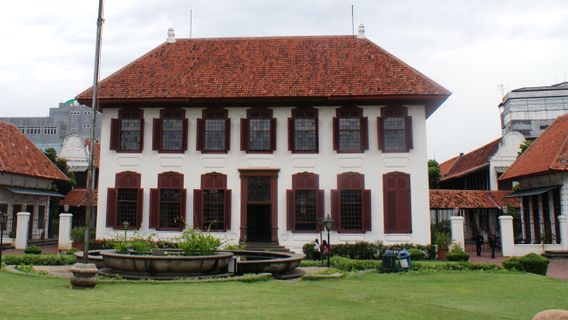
(477, 49)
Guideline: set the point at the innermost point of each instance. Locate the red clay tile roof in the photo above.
(469, 162)
(548, 153)
(470, 199)
(266, 67)
(78, 198)
(18, 155)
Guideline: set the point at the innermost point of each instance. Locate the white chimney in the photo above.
(171, 36)
(361, 32)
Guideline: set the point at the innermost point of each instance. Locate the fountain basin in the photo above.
(266, 261)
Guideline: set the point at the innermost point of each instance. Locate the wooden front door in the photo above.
(259, 205)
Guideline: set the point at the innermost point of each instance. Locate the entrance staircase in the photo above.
(556, 254)
(266, 246)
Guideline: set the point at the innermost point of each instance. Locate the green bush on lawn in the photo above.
(532, 263)
(454, 266)
(363, 250)
(457, 254)
(32, 250)
(39, 259)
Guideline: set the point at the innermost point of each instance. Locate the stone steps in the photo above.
(266, 246)
(556, 254)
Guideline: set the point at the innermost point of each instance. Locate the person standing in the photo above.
(478, 244)
(317, 250)
(492, 244)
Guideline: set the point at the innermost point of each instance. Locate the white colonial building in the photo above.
(255, 139)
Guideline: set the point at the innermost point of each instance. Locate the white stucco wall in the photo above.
(372, 163)
(505, 155)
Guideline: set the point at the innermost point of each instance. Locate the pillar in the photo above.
(507, 236)
(457, 223)
(64, 242)
(22, 230)
(563, 224)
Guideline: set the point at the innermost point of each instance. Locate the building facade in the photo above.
(257, 139)
(531, 110)
(67, 119)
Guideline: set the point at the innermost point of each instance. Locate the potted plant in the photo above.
(443, 241)
(78, 237)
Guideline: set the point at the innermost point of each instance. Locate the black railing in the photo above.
(536, 233)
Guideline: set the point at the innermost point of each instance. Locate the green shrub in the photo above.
(417, 254)
(346, 264)
(71, 251)
(33, 250)
(443, 240)
(457, 254)
(40, 259)
(534, 263)
(311, 263)
(512, 263)
(359, 250)
(454, 266)
(231, 246)
(194, 242)
(309, 250)
(78, 235)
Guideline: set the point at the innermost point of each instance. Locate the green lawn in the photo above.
(458, 295)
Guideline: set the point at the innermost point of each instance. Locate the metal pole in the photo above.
(329, 248)
(1, 236)
(95, 108)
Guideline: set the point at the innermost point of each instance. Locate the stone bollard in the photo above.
(84, 276)
(563, 224)
(64, 242)
(457, 223)
(22, 230)
(507, 236)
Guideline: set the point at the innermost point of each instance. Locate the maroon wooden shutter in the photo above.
(364, 134)
(141, 134)
(227, 135)
(244, 134)
(182, 209)
(114, 134)
(139, 207)
(156, 134)
(227, 211)
(291, 134)
(366, 218)
(380, 133)
(290, 210)
(111, 208)
(408, 131)
(154, 221)
(320, 204)
(200, 134)
(197, 209)
(403, 202)
(335, 133)
(396, 199)
(335, 210)
(273, 134)
(185, 133)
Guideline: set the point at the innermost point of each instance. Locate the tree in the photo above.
(524, 146)
(62, 187)
(433, 174)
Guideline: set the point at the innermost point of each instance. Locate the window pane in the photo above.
(213, 209)
(172, 134)
(127, 206)
(170, 206)
(349, 134)
(305, 134)
(259, 134)
(394, 134)
(259, 188)
(214, 134)
(130, 134)
(305, 209)
(351, 209)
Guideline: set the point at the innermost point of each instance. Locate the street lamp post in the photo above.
(328, 224)
(3, 218)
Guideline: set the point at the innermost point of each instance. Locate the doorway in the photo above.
(259, 205)
(259, 223)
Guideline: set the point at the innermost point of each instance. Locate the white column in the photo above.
(22, 230)
(64, 242)
(457, 223)
(563, 224)
(507, 236)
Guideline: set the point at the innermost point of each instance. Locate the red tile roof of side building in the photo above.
(78, 198)
(18, 155)
(469, 162)
(309, 67)
(548, 153)
(470, 199)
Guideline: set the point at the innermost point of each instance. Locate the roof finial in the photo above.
(171, 36)
(361, 32)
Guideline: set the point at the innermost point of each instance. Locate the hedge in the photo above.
(532, 263)
(457, 254)
(39, 259)
(363, 250)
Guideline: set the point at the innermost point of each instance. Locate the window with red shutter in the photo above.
(304, 203)
(170, 131)
(351, 204)
(167, 202)
(214, 131)
(127, 132)
(394, 129)
(212, 203)
(303, 130)
(124, 202)
(350, 130)
(258, 131)
(397, 203)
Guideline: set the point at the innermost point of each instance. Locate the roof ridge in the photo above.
(552, 165)
(268, 37)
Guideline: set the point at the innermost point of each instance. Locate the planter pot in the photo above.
(78, 245)
(84, 276)
(442, 253)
